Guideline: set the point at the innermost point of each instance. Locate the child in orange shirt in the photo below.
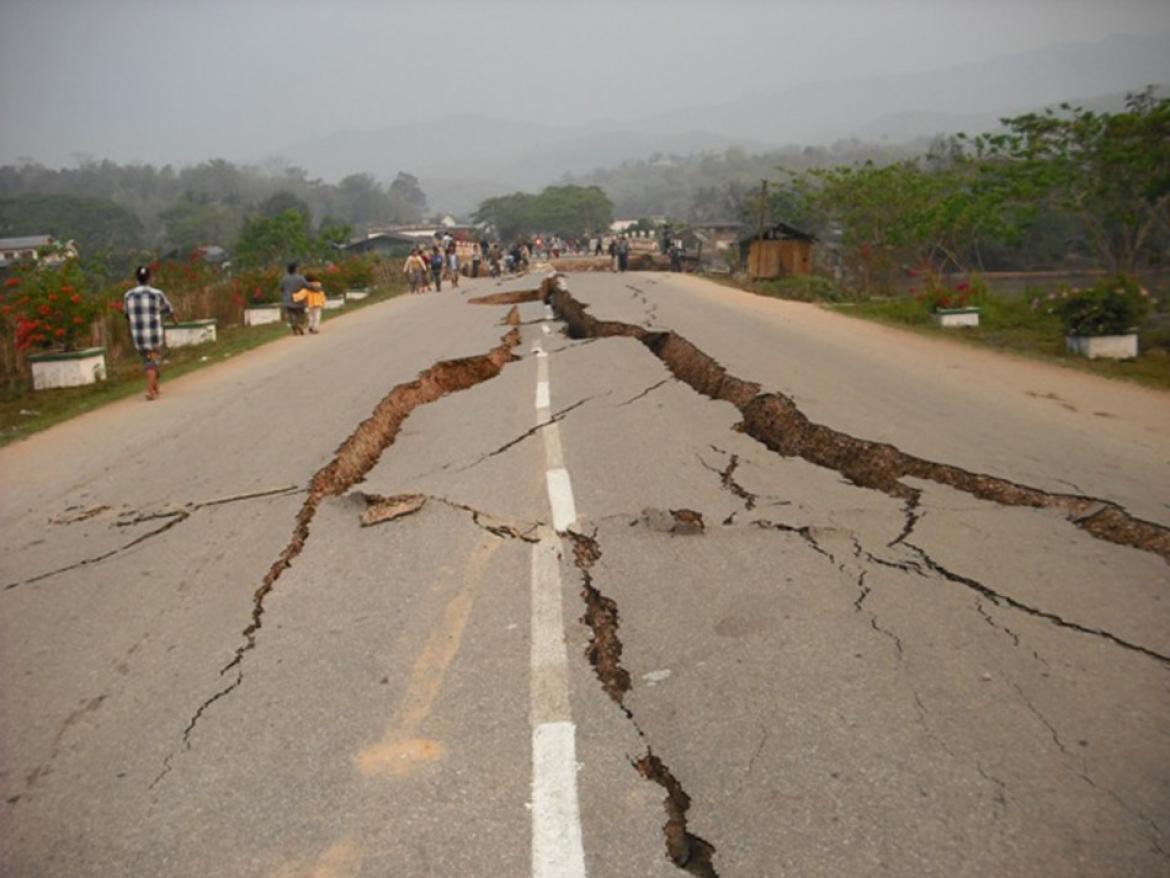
(313, 295)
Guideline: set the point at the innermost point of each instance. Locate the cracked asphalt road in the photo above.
(823, 677)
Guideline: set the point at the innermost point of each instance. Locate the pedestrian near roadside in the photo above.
(476, 259)
(414, 268)
(313, 297)
(453, 264)
(437, 268)
(291, 283)
(623, 254)
(145, 307)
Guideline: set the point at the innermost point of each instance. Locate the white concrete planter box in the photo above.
(949, 317)
(68, 368)
(258, 315)
(190, 333)
(335, 302)
(356, 295)
(1112, 347)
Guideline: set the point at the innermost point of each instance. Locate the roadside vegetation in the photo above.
(1028, 324)
(23, 412)
(1074, 204)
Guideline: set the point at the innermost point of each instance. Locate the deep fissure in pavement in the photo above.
(775, 421)
(686, 850)
(354, 458)
(508, 298)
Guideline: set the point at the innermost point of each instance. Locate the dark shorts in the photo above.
(150, 359)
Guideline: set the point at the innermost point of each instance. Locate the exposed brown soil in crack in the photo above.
(687, 851)
(601, 616)
(775, 420)
(508, 298)
(356, 456)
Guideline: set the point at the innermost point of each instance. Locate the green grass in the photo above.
(1006, 324)
(1010, 325)
(24, 412)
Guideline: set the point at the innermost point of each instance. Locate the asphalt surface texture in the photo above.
(440, 593)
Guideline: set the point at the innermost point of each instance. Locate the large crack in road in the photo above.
(775, 421)
(355, 457)
(686, 850)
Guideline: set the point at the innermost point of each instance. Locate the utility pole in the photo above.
(763, 208)
(759, 247)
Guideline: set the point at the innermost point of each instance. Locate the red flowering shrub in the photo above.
(44, 306)
(180, 276)
(359, 273)
(937, 294)
(258, 285)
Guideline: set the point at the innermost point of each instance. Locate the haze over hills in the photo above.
(462, 159)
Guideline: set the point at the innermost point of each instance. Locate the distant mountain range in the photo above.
(461, 160)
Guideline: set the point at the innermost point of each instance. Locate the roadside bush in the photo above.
(358, 273)
(48, 306)
(1112, 307)
(938, 295)
(805, 288)
(258, 286)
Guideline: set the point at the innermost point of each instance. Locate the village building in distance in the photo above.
(30, 248)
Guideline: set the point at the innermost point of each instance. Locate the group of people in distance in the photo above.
(425, 269)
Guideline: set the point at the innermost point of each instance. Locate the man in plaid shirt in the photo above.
(145, 308)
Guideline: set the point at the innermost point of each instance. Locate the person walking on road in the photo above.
(476, 259)
(623, 254)
(453, 264)
(145, 308)
(313, 297)
(291, 283)
(414, 269)
(437, 268)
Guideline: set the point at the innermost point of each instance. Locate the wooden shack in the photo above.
(779, 251)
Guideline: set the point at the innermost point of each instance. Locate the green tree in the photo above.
(570, 211)
(1112, 171)
(901, 215)
(272, 240)
(281, 202)
(363, 202)
(95, 224)
(190, 224)
(406, 188)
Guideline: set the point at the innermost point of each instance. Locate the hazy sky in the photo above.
(186, 80)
